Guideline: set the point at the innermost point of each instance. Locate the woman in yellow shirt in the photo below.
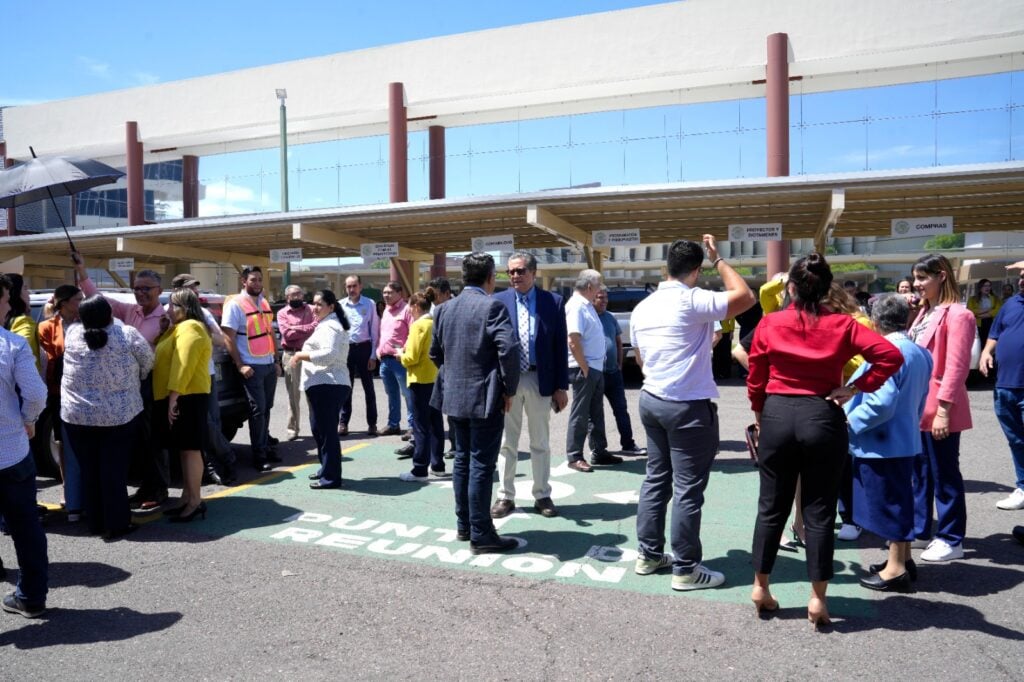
(985, 305)
(181, 387)
(19, 320)
(428, 426)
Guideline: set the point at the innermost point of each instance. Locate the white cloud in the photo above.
(95, 67)
(145, 78)
(228, 199)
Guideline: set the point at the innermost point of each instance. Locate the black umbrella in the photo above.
(52, 176)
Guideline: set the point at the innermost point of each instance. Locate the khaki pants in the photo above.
(538, 415)
(293, 386)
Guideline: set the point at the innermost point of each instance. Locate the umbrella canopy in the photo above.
(52, 176)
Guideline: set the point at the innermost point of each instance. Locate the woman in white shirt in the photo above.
(325, 380)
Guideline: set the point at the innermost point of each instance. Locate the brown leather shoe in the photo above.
(502, 508)
(581, 465)
(391, 431)
(546, 507)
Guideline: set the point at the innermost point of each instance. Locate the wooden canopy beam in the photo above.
(557, 227)
(189, 253)
(312, 234)
(829, 219)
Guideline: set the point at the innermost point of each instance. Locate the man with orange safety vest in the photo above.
(248, 327)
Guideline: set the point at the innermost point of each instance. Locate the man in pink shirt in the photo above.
(394, 330)
(150, 318)
(296, 323)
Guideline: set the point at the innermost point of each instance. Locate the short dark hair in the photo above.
(394, 285)
(355, 277)
(684, 257)
(477, 268)
(811, 278)
(249, 269)
(441, 285)
(531, 260)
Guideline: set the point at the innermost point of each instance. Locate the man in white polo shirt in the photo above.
(672, 331)
(586, 365)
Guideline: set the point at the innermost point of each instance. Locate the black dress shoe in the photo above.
(405, 452)
(272, 441)
(371, 431)
(120, 533)
(317, 485)
(880, 566)
(462, 535)
(262, 467)
(496, 545)
(546, 507)
(605, 458)
(314, 477)
(273, 457)
(1018, 534)
(900, 583)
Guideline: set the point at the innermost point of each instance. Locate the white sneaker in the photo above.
(1014, 501)
(919, 544)
(848, 532)
(411, 477)
(648, 566)
(940, 550)
(701, 579)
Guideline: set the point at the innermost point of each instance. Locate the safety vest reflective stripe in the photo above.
(257, 326)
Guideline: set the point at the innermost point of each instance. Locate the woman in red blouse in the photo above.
(796, 390)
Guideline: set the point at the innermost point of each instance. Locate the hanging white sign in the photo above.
(755, 232)
(502, 243)
(285, 255)
(606, 238)
(121, 264)
(913, 227)
(379, 250)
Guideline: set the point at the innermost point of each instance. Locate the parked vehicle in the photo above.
(621, 302)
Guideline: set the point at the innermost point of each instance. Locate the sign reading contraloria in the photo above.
(605, 238)
(285, 255)
(913, 227)
(755, 232)
(121, 264)
(379, 250)
(502, 243)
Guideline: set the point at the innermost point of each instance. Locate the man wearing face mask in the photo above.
(296, 323)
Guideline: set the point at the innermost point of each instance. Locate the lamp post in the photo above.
(282, 95)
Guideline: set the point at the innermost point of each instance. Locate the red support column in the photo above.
(398, 142)
(190, 186)
(437, 189)
(133, 156)
(777, 109)
(12, 213)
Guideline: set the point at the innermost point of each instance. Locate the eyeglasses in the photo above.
(142, 290)
(517, 271)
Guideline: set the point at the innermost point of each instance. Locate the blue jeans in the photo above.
(1009, 407)
(18, 507)
(73, 498)
(392, 375)
(615, 392)
(476, 454)
(259, 389)
(324, 404)
(682, 439)
(428, 429)
(937, 477)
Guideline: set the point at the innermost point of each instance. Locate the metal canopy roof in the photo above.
(979, 197)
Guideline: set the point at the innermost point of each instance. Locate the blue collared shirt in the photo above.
(18, 375)
(531, 310)
(364, 324)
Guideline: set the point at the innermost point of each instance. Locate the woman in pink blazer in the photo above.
(946, 329)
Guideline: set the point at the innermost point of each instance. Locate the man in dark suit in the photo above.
(475, 348)
(539, 319)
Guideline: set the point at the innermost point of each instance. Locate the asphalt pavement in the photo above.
(280, 582)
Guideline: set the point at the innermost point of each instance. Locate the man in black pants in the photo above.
(362, 359)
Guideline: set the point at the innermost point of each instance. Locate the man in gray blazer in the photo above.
(477, 353)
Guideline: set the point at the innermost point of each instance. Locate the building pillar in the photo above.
(435, 135)
(777, 110)
(133, 155)
(190, 186)
(12, 213)
(407, 273)
(398, 144)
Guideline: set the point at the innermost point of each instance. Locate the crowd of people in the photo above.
(859, 403)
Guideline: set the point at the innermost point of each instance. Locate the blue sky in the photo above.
(54, 49)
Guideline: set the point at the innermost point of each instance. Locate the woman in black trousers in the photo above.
(796, 391)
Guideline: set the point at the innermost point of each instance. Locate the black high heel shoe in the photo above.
(900, 583)
(880, 566)
(174, 511)
(186, 518)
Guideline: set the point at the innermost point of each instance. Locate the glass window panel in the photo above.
(543, 133)
(710, 157)
(640, 124)
(458, 175)
(901, 143)
(752, 113)
(544, 169)
(973, 137)
(753, 154)
(457, 140)
(494, 137)
(908, 99)
(1017, 135)
(1017, 88)
(234, 194)
(645, 162)
(834, 148)
(832, 107)
(419, 179)
(601, 126)
(365, 183)
(494, 173)
(709, 117)
(597, 163)
(674, 149)
(977, 92)
(360, 150)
